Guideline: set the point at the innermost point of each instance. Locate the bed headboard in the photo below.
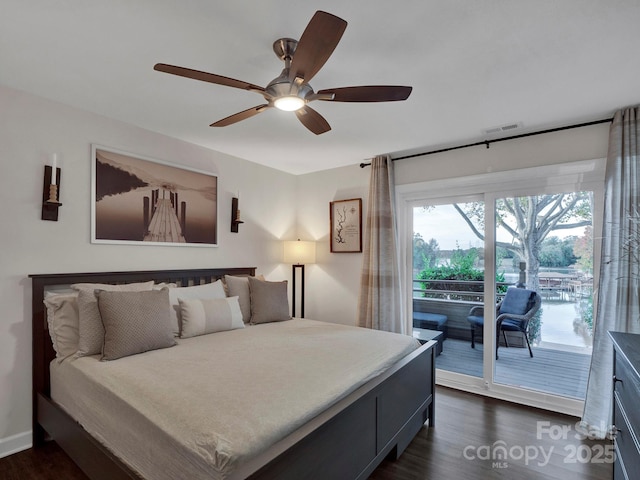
(43, 352)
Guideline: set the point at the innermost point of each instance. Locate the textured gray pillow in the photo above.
(239, 287)
(134, 322)
(202, 316)
(90, 326)
(269, 301)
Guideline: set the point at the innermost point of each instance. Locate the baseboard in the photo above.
(15, 443)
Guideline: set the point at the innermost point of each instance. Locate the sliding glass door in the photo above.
(550, 238)
(448, 279)
(468, 250)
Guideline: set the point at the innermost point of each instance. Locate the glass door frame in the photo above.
(567, 177)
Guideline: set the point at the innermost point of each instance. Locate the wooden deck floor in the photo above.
(552, 371)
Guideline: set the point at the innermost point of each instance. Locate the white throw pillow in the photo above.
(208, 290)
(202, 316)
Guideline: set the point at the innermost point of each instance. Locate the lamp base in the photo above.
(293, 291)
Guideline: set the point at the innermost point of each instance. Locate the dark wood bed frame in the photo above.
(348, 441)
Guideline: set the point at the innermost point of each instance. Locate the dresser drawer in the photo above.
(626, 447)
(627, 389)
(618, 469)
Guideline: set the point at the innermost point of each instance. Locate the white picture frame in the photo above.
(136, 200)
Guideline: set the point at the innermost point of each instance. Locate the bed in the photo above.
(347, 438)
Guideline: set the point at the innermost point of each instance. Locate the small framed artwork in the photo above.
(346, 225)
(138, 200)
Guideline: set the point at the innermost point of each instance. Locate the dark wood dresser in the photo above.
(626, 405)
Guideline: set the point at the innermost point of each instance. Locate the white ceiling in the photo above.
(473, 64)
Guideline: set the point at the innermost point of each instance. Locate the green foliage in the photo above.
(556, 252)
(425, 254)
(502, 253)
(585, 309)
(583, 248)
(535, 324)
(461, 266)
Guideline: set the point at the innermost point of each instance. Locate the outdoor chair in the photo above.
(513, 314)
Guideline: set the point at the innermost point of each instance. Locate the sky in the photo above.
(445, 224)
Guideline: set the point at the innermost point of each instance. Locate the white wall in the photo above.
(32, 128)
(584, 143)
(332, 284)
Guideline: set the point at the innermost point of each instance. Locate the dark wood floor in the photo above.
(46, 463)
(468, 428)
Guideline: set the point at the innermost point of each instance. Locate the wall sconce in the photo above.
(298, 254)
(51, 191)
(235, 215)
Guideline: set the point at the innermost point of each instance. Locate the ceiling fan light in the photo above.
(289, 103)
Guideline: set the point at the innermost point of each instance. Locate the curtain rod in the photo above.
(489, 142)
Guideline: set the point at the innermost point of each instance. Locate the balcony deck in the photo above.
(554, 371)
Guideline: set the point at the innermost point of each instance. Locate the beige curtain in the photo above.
(618, 305)
(380, 301)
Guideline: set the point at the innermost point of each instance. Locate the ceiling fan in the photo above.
(291, 90)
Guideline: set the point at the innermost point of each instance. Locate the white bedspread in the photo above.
(202, 408)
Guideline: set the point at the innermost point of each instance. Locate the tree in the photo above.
(556, 252)
(425, 254)
(583, 248)
(529, 220)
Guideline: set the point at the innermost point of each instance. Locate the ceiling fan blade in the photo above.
(371, 93)
(312, 120)
(317, 43)
(206, 77)
(237, 117)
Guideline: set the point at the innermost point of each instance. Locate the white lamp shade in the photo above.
(297, 252)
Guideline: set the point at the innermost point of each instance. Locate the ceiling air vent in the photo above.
(503, 129)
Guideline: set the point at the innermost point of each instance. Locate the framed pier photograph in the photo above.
(138, 200)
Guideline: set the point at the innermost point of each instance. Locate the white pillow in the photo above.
(202, 316)
(91, 330)
(208, 290)
(63, 320)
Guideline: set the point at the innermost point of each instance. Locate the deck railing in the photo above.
(455, 290)
(454, 298)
